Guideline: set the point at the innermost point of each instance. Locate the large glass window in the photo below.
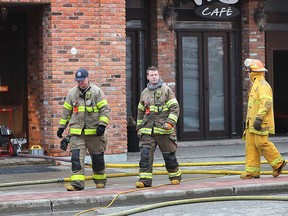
(203, 85)
(191, 84)
(216, 83)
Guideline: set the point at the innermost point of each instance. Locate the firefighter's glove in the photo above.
(64, 143)
(139, 133)
(60, 132)
(167, 126)
(257, 123)
(100, 130)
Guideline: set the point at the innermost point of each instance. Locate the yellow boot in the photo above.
(72, 188)
(140, 184)
(249, 176)
(277, 172)
(100, 185)
(175, 182)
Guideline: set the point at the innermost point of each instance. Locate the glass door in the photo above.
(203, 85)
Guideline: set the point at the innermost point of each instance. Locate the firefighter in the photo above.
(259, 124)
(86, 113)
(158, 112)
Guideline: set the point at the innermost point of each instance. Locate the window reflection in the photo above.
(216, 83)
(190, 84)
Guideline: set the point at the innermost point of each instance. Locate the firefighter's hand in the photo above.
(60, 132)
(167, 126)
(100, 130)
(64, 144)
(257, 123)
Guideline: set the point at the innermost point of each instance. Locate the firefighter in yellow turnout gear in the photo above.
(86, 112)
(259, 124)
(158, 112)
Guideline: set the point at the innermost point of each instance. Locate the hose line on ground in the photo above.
(116, 175)
(118, 165)
(137, 190)
(197, 200)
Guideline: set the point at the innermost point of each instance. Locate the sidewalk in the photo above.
(52, 197)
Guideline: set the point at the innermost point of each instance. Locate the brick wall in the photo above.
(34, 78)
(97, 30)
(163, 45)
(253, 45)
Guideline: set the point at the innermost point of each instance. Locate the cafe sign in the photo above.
(217, 11)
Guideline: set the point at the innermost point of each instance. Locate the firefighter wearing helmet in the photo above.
(259, 124)
(86, 113)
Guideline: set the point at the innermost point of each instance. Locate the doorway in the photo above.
(203, 85)
(277, 76)
(280, 88)
(13, 74)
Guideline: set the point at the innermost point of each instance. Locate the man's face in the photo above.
(83, 84)
(153, 76)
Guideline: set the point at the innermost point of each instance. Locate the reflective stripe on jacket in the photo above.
(155, 108)
(260, 103)
(85, 111)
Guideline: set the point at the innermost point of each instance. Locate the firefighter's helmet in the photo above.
(254, 65)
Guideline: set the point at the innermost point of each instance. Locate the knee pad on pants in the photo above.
(98, 163)
(170, 160)
(144, 162)
(75, 159)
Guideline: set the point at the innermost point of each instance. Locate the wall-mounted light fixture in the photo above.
(260, 17)
(169, 15)
(4, 13)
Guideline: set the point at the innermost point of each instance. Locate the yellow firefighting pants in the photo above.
(257, 145)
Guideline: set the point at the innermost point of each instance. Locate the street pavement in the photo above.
(212, 169)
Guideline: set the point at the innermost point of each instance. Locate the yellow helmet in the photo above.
(254, 65)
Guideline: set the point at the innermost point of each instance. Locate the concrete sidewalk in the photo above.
(52, 197)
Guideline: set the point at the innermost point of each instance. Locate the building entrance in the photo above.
(277, 55)
(203, 85)
(13, 74)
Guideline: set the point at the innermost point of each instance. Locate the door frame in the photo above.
(204, 132)
(275, 41)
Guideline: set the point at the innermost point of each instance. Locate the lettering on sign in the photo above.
(217, 11)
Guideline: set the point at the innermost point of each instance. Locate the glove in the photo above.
(167, 126)
(64, 143)
(100, 130)
(257, 123)
(138, 133)
(60, 132)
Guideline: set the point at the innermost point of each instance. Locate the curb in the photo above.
(150, 196)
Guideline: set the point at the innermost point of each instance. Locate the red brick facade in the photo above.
(253, 44)
(97, 30)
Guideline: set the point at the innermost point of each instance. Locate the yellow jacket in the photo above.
(260, 104)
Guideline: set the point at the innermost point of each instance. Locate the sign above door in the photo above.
(217, 11)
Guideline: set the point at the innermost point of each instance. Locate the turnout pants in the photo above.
(96, 146)
(167, 146)
(257, 145)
